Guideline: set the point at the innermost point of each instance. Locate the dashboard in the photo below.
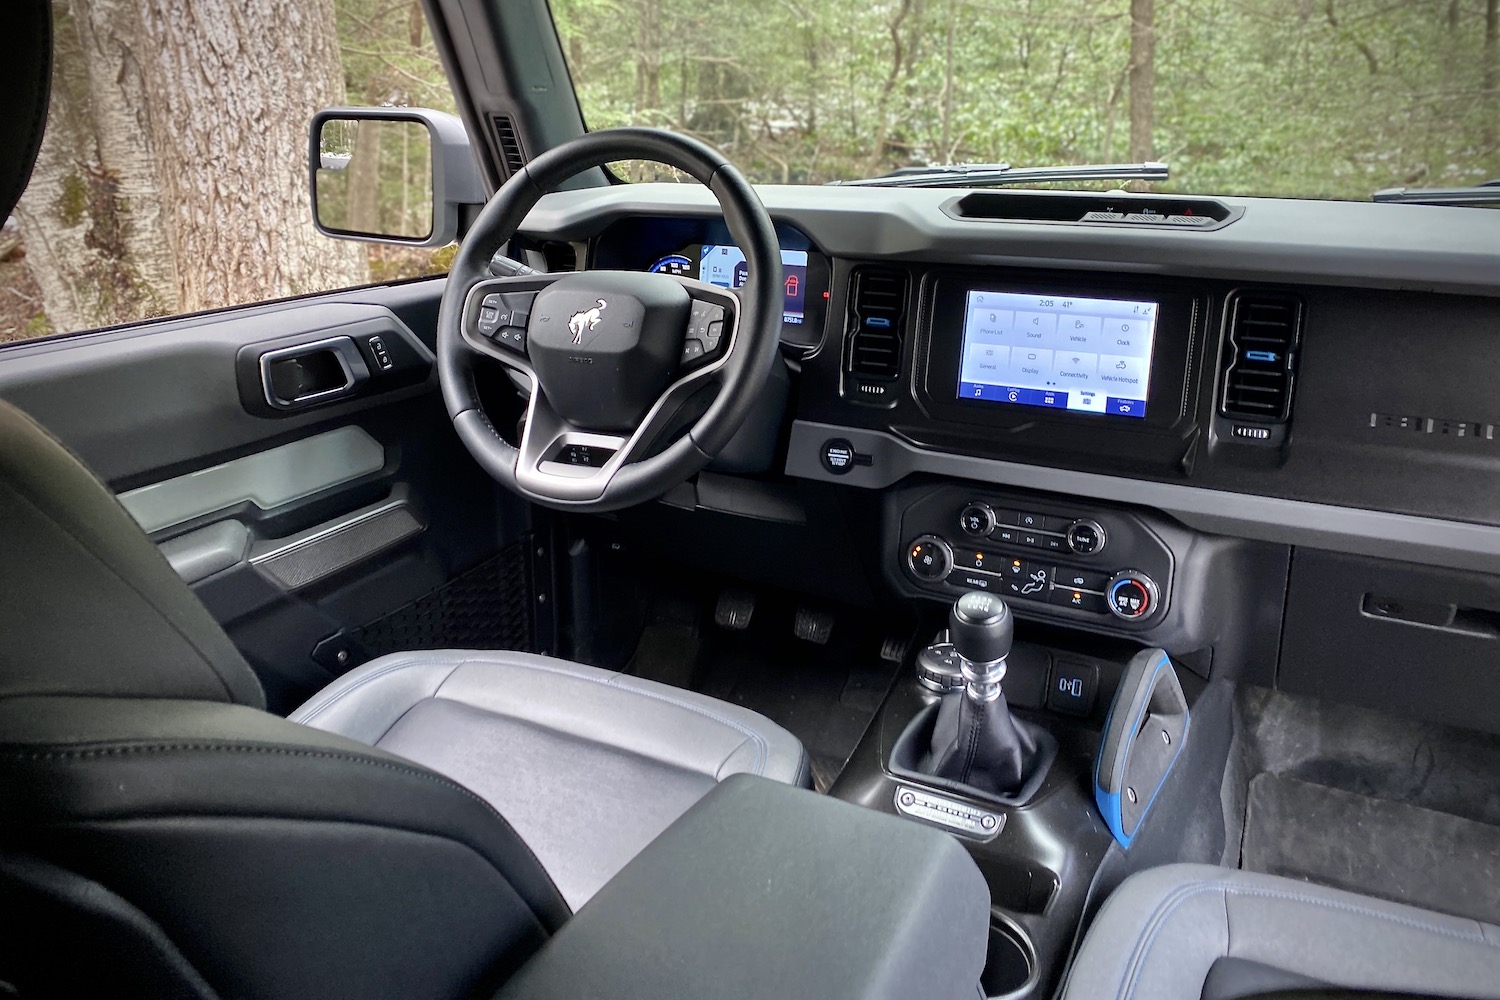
(702, 249)
(1269, 439)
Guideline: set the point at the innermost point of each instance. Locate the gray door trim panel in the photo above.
(139, 399)
(200, 554)
(1434, 542)
(268, 479)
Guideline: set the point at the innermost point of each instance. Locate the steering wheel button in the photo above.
(492, 299)
(692, 349)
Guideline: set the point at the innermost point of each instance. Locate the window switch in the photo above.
(1073, 687)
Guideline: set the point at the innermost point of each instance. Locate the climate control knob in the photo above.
(1131, 595)
(977, 520)
(929, 558)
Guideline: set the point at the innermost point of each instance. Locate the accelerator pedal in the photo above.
(734, 610)
(813, 626)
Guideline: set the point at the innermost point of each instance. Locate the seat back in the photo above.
(160, 834)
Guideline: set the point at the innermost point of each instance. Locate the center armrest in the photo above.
(763, 890)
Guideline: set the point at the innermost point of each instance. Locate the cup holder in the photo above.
(1010, 965)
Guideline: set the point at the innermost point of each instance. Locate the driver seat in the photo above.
(418, 828)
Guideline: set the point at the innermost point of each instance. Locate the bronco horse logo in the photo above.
(584, 320)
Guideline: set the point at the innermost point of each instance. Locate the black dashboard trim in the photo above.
(1431, 541)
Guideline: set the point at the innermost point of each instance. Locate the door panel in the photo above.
(317, 536)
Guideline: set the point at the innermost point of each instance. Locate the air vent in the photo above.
(1263, 336)
(510, 144)
(877, 307)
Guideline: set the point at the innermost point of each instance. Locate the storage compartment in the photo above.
(719, 906)
(1010, 963)
(1402, 638)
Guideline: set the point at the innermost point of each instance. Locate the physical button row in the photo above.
(1028, 581)
(503, 317)
(705, 331)
(1039, 531)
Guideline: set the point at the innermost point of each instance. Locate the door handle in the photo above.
(307, 374)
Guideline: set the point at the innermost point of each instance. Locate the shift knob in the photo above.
(981, 627)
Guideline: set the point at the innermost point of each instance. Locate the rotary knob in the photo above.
(977, 520)
(929, 558)
(1132, 595)
(1085, 537)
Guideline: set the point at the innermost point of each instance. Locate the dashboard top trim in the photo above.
(1431, 541)
(1277, 240)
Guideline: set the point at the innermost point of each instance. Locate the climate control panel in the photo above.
(1099, 564)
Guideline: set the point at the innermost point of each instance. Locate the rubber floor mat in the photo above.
(1373, 846)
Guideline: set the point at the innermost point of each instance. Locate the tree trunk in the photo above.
(648, 57)
(1142, 78)
(364, 178)
(173, 177)
(1491, 81)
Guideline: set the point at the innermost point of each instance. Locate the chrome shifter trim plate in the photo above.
(951, 814)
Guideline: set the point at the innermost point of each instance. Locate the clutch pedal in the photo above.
(734, 610)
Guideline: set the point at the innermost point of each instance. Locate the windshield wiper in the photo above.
(1487, 193)
(997, 174)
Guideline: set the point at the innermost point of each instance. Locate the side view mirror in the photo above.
(391, 175)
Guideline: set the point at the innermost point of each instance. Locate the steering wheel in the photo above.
(617, 361)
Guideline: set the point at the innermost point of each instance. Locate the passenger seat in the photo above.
(1185, 932)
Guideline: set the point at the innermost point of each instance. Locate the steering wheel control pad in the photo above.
(605, 344)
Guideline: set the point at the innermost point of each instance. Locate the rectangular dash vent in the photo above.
(1264, 331)
(877, 308)
(510, 144)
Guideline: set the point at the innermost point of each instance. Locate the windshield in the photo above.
(1311, 99)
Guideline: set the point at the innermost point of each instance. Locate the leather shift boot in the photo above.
(980, 745)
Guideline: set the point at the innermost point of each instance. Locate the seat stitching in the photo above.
(761, 745)
(117, 751)
(390, 668)
(615, 681)
(1170, 903)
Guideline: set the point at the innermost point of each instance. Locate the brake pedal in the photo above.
(734, 610)
(813, 626)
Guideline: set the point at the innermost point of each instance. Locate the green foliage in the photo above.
(1305, 98)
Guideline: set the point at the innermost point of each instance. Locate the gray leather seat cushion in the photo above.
(1161, 931)
(587, 765)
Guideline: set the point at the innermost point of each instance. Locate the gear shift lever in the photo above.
(975, 740)
(981, 629)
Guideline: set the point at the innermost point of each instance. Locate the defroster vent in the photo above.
(877, 309)
(1264, 331)
(510, 144)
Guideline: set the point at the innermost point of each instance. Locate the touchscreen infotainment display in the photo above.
(1079, 354)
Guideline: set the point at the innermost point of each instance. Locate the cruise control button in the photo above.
(512, 337)
(1080, 599)
(492, 299)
